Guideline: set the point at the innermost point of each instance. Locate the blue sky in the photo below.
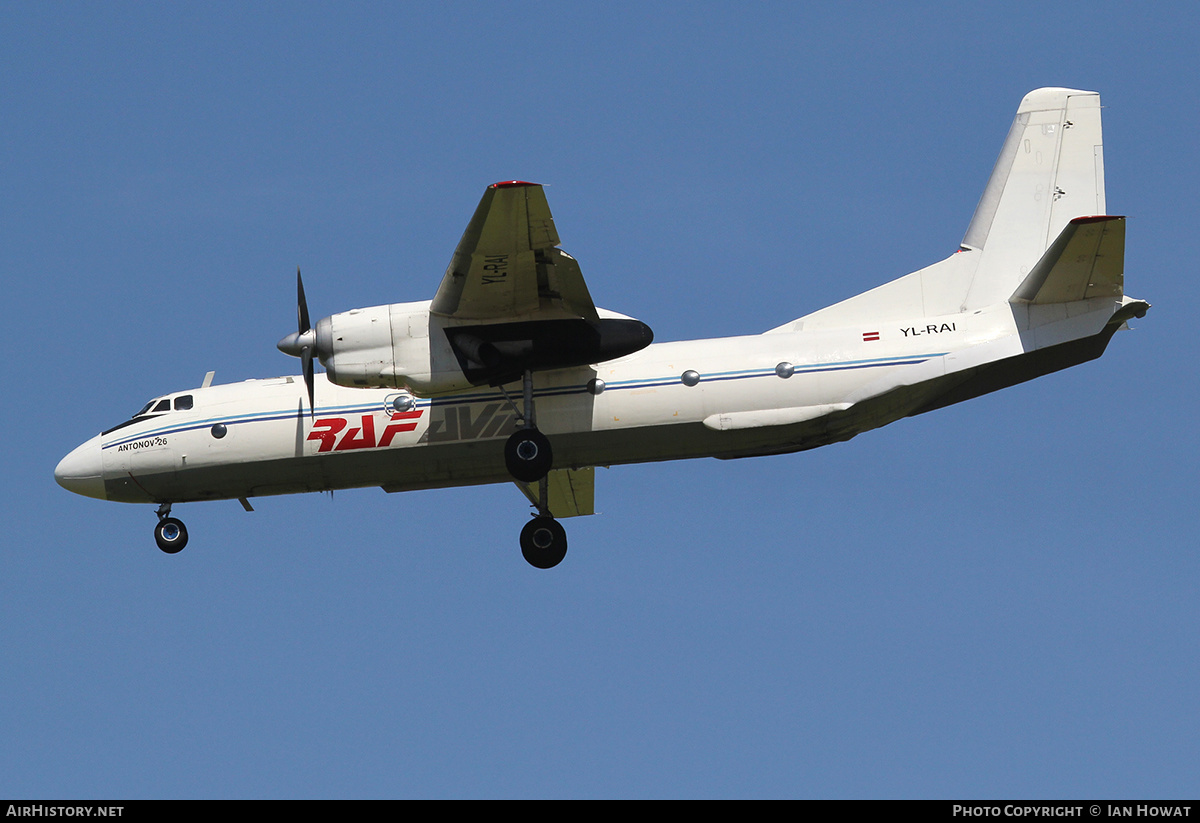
(996, 599)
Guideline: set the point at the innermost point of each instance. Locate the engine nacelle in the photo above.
(404, 346)
(389, 347)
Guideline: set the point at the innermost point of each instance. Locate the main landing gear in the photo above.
(527, 455)
(170, 534)
(528, 458)
(543, 541)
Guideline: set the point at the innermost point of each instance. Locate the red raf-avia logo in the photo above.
(362, 436)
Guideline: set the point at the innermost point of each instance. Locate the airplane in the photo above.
(512, 374)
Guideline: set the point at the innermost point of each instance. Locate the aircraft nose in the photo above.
(82, 470)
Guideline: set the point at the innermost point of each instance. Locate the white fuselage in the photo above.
(770, 393)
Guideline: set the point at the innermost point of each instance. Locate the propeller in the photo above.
(302, 343)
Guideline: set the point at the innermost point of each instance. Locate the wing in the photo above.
(570, 493)
(507, 265)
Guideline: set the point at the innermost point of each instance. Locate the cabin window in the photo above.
(183, 402)
(401, 403)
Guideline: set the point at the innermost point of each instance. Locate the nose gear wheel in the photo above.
(169, 533)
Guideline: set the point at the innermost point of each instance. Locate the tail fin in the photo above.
(1050, 171)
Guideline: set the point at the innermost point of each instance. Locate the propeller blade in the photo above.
(301, 304)
(302, 343)
(306, 361)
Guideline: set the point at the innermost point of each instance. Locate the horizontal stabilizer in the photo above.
(570, 492)
(1087, 260)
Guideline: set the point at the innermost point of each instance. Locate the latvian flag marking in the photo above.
(870, 335)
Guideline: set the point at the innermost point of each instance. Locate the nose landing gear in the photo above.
(170, 534)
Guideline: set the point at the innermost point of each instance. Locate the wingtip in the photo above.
(511, 184)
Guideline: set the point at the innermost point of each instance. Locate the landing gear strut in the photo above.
(528, 458)
(170, 534)
(527, 454)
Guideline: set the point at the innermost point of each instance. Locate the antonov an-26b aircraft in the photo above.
(511, 373)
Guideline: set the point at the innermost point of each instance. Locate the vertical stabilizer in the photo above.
(1050, 171)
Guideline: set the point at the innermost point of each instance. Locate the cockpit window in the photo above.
(145, 414)
(182, 403)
